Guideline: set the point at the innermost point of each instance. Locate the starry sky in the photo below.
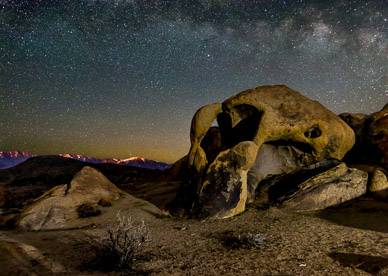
(123, 78)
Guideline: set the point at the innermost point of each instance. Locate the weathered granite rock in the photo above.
(276, 185)
(378, 185)
(330, 188)
(224, 190)
(283, 115)
(378, 134)
(266, 114)
(356, 121)
(273, 160)
(371, 138)
(55, 208)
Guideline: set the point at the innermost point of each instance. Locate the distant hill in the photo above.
(12, 158)
(21, 184)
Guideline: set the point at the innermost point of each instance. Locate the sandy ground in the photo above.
(352, 240)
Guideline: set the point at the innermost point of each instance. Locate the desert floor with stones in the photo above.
(351, 240)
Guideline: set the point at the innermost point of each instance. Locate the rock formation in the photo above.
(378, 184)
(223, 167)
(273, 160)
(55, 208)
(371, 137)
(332, 187)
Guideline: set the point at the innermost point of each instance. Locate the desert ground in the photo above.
(348, 240)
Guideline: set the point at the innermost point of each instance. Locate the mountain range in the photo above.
(12, 158)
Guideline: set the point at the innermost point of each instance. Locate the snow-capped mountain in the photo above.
(12, 158)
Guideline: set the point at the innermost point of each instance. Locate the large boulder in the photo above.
(58, 206)
(378, 184)
(332, 187)
(274, 115)
(371, 137)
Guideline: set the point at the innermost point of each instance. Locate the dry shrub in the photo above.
(124, 242)
(246, 241)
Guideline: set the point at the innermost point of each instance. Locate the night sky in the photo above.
(122, 78)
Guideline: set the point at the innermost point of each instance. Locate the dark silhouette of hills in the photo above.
(12, 158)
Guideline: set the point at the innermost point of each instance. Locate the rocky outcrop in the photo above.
(224, 190)
(283, 115)
(332, 187)
(378, 134)
(55, 208)
(220, 158)
(371, 137)
(378, 184)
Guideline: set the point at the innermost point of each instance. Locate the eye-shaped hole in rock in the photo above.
(313, 132)
(246, 120)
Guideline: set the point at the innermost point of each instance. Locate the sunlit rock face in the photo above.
(223, 167)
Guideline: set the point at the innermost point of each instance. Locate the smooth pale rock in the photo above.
(330, 188)
(378, 186)
(57, 207)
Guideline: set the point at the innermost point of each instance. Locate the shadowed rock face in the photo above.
(371, 137)
(216, 177)
(275, 159)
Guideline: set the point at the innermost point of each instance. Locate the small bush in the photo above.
(88, 210)
(124, 242)
(246, 241)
